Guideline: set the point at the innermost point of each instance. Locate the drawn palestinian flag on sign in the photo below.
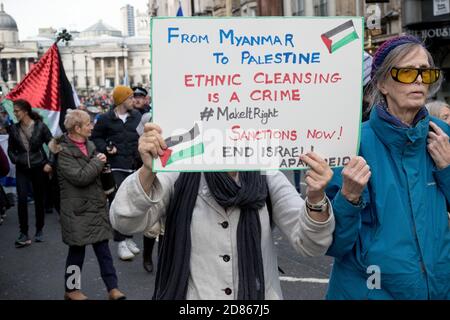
(182, 146)
(339, 36)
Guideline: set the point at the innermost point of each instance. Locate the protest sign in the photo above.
(256, 93)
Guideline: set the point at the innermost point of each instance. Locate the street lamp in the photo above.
(123, 46)
(86, 71)
(73, 68)
(40, 51)
(2, 46)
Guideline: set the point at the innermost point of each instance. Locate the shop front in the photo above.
(430, 21)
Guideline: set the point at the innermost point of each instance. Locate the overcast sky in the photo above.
(31, 15)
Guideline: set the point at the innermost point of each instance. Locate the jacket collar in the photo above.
(144, 110)
(395, 135)
(112, 114)
(206, 195)
(76, 151)
(385, 115)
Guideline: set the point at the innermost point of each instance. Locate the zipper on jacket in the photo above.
(416, 238)
(28, 157)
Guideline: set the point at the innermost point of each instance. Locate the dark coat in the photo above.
(123, 136)
(145, 109)
(84, 214)
(4, 164)
(34, 158)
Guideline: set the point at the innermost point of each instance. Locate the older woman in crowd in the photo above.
(392, 237)
(439, 109)
(84, 213)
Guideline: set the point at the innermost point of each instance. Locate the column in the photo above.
(309, 8)
(117, 82)
(287, 8)
(228, 8)
(27, 66)
(18, 69)
(125, 61)
(94, 71)
(8, 68)
(102, 72)
(331, 7)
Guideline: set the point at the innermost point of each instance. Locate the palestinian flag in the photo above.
(47, 89)
(182, 147)
(340, 36)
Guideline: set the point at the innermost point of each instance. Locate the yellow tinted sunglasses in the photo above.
(409, 75)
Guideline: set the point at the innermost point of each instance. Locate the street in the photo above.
(36, 272)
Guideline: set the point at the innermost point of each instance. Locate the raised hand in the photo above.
(438, 146)
(151, 144)
(355, 175)
(317, 177)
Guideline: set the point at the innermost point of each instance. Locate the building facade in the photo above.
(16, 58)
(203, 8)
(142, 23)
(383, 21)
(128, 26)
(430, 21)
(311, 7)
(169, 8)
(97, 58)
(248, 8)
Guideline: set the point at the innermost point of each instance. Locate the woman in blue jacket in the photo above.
(392, 236)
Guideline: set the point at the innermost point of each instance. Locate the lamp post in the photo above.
(73, 68)
(86, 72)
(2, 46)
(123, 46)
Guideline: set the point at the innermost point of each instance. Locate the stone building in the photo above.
(97, 58)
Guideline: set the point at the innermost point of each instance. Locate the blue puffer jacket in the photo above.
(402, 227)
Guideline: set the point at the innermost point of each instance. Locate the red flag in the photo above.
(46, 86)
(40, 87)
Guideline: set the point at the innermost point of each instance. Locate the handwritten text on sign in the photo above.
(255, 94)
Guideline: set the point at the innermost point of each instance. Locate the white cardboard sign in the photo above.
(256, 93)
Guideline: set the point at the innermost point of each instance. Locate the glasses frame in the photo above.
(395, 71)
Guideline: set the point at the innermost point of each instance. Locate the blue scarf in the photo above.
(384, 114)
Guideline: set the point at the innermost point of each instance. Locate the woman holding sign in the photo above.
(392, 238)
(218, 241)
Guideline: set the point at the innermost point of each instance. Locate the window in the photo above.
(320, 8)
(298, 7)
(144, 79)
(130, 62)
(324, 7)
(108, 63)
(143, 62)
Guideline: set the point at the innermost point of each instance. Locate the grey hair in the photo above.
(75, 118)
(374, 95)
(434, 107)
